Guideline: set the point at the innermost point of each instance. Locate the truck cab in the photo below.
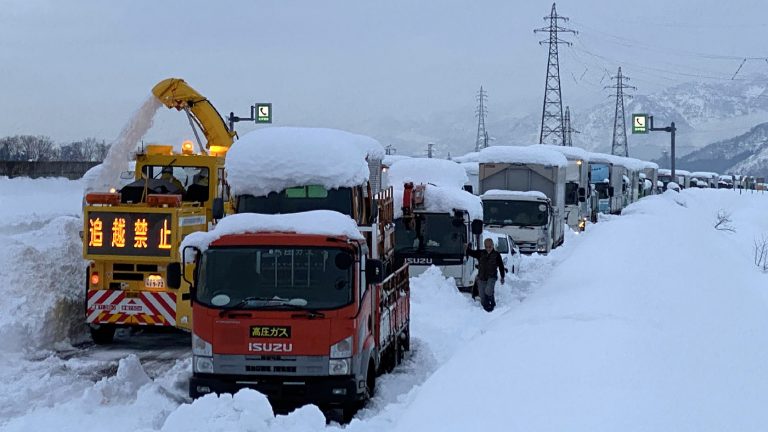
(527, 217)
(433, 222)
(295, 307)
(425, 238)
(608, 183)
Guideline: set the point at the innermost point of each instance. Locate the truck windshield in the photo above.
(191, 182)
(430, 233)
(599, 172)
(571, 193)
(516, 213)
(602, 190)
(502, 246)
(313, 276)
(299, 199)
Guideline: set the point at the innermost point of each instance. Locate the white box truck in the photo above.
(578, 202)
(535, 221)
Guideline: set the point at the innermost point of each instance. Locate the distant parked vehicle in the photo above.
(507, 248)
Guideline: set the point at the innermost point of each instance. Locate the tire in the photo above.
(406, 343)
(102, 334)
(370, 381)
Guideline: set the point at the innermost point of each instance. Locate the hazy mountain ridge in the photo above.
(703, 113)
(744, 154)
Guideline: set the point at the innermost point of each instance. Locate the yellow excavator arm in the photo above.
(176, 93)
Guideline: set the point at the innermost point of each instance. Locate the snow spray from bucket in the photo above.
(103, 177)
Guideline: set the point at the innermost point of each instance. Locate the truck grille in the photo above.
(270, 365)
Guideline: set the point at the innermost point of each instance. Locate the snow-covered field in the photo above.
(649, 321)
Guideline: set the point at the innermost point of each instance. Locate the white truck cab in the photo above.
(527, 217)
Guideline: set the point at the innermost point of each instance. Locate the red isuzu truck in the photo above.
(296, 307)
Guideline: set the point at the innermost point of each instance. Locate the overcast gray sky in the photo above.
(71, 69)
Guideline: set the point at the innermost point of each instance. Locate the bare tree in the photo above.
(89, 149)
(761, 253)
(723, 222)
(35, 148)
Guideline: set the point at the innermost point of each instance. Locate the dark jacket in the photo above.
(487, 263)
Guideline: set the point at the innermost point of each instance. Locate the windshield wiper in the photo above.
(310, 313)
(247, 300)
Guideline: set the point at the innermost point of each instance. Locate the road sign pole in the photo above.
(673, 129)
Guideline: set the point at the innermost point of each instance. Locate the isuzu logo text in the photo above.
(418, 260)
(270, 347)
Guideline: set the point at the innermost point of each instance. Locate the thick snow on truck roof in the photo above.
(571, 153)
(439, 172)
(627, 162)
(524, 155)
(439, 199)
(277, 158)
(469, 157)
(316, 222)
(666, 171)
(471, 167)
(505, 194)
(704, 174)
(390, 159)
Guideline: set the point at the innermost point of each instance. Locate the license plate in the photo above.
(154, 282)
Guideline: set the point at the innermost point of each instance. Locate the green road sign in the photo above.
(639, 123)
(263, 113)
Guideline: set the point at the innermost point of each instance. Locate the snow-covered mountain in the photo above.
(744, 154)
(703, 113)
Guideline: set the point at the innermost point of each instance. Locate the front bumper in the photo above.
(324, 390)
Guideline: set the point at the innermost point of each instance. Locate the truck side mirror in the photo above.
(218, 208)
(477, 227)
(469, 188)
(173, 275)
(374, 271)
(610, 191)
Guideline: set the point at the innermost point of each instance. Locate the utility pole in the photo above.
(619, 144)
(569, 130)
(389, 150)
(481, 141)
(552, 127)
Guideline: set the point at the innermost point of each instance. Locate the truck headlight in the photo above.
(342, 349)
(201, 347)
(339, 366)
(203, 364)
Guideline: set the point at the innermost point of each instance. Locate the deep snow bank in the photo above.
(41, 276)
(658, 322)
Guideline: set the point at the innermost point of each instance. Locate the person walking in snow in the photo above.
(488, 261)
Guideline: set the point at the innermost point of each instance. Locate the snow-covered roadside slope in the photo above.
(659, 322)
(41, 265)
(443, 321)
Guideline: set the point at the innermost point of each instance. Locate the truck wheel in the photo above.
(340, 414)
(370, 381)
(102, 334)
(406, 338)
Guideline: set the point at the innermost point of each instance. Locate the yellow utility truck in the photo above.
(131, 236)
